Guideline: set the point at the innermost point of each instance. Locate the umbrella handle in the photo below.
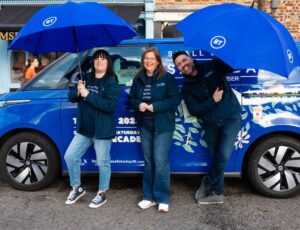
(80, 72)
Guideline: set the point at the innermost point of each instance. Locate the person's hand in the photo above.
(84, 92)
(143, 107)
(150, 108)
(218, 94)
(80, 86)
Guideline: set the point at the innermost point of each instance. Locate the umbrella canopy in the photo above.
(72, 27)
(243, 37)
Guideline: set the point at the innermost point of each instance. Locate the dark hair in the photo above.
(178, 53)
(104, 54)
(161, 70)
(29, 62)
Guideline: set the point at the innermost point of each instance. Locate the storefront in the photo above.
(13, 17)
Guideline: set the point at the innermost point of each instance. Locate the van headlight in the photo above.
(2, 104)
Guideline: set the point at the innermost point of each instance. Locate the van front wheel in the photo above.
(29, 161)
(274, 167)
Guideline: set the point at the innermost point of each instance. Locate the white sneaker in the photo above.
(163, 207)
(144, 204)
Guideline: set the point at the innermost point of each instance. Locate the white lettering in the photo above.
(251, 70)
(233, 78)
(127, 139)
(171, 68)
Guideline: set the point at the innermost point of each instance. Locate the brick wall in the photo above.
(288, 12)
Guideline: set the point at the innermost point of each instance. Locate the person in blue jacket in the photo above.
(154, 95)
(208, 95)
(97, 98)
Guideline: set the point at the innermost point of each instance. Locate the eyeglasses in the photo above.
(149, 58)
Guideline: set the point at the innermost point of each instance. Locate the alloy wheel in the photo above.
(27, 163)
(279, 168)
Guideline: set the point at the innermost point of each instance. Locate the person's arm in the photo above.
(73, 96)
(133, 100)
(109, 101)
(195, 107)
(74, 93)
(222, 68)
(172, 99)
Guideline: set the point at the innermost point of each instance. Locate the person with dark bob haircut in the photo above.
(97, 96)
(154, 95)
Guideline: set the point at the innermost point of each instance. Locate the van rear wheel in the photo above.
(29, 161)
(274, 167)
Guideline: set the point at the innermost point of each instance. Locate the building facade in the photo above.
(169, 12)
(151, 18)
(15, 13)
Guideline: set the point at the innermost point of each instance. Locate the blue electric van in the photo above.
(38, 122)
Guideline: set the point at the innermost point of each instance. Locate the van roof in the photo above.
(152, 41)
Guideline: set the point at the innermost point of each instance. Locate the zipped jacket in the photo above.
(95, 113)
(165, 98)
(197, 92)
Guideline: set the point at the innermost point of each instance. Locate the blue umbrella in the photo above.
(243, 37)
(72, 27)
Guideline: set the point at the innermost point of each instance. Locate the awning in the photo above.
(14, 17)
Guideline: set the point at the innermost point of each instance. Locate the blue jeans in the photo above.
(156, 178)
(220, 140)
(77, 149)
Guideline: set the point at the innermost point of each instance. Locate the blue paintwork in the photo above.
(264, 112)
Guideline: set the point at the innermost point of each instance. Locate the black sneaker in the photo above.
(212, 199)
(99, 200)
(74, 195)
(202, 191)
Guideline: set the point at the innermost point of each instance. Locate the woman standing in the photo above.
(154, 95)
(97, 99)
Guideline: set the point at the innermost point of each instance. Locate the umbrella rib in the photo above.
(281, 43)
(114, 42)
(38, 43)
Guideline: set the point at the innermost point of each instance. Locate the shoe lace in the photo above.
(72, 194)
(97, 199)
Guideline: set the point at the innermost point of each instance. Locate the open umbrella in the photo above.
(243, 37)
(72, 27)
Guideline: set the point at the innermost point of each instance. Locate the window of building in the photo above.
(17, 63)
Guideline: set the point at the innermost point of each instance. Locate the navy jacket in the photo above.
(198, 92)
(95, 113)
(165, 98)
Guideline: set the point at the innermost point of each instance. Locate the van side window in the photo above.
(126, 62)
(56, 76)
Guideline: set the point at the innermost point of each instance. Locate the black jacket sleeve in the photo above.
(73, 94)
(194, 106)
(133, 95)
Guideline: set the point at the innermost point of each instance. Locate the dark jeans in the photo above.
(220, 140)
(156, 178)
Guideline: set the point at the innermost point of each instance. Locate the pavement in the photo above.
(243, 208)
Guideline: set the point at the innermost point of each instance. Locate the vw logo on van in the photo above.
(217, 42)
(49, 21)
(290, 56)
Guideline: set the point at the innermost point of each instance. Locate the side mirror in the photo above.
(74, 79)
